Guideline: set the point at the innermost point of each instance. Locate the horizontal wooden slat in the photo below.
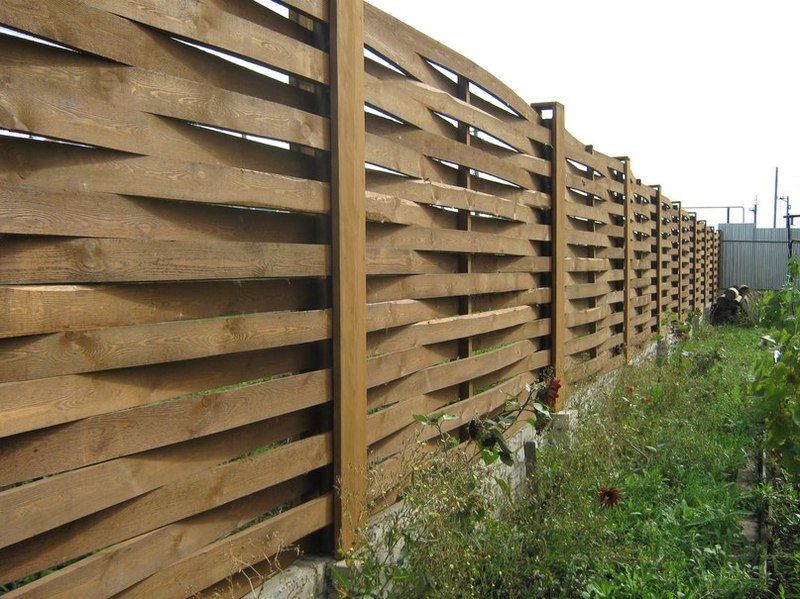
(28, 210)
(123, 128)
(43, 505)
(530, 330)
(160, 94)
(103, 437)
(65, 168)
(389, 367)
(179, 499)
(119, 347)
(573, 319)
(438, 194)
(587, 290)
(30, 405)
(586, 342)
(425, 286)
(33, 309)
(386, 33)
(46, 261)
(231, 555)
(446, 375)
(446, 329)
(418, 238)
(129, 43)
(413, 101)
(229, 33)
(438, 147)
(115, 568)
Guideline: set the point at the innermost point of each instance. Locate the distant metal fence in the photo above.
(756, 257)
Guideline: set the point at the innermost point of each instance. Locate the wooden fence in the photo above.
(199, 335)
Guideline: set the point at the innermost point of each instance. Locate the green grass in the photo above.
(670, 438)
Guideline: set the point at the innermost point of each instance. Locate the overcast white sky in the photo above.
(703, 95)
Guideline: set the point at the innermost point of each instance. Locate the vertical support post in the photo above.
(677, 206)
(628, 261)
(660, 257)
(709, 297)
(718, 253)
(695, 278)
(466, 388)
(558, 208)
(348, 190)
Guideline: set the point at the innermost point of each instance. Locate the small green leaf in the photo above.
(488, 456)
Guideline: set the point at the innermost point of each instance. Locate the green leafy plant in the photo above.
(777, 372)
(641, 504)
(489, 433)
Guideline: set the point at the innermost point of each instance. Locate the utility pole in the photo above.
(789, 217)
(775, 207)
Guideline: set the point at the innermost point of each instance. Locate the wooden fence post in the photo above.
(628, 259)
(558, 232)
(348, 217)
(695, 266)
(659, 257)
(466, 388)
(677, 206)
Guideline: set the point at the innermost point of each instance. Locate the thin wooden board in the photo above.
(230, 555)
(179, 499)
(41, 403)
(45, 504)
(65, 168)
(447, 329)
(26, 210)
(444, 285)
(107, 436)
(34, 309)
(57, 354)
(116, 568)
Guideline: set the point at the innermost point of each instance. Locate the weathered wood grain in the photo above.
(116, 568)
(45, 504)
(179, 499)
(229, 556)
(444, 285)
(26, 210)
(34, 309)
(156, 93)
(60, 261)
(42, 403)
(75, 352)
(107, 436)
(64, 168)
(447, 329)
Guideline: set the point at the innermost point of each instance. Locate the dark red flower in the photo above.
(628, 391)
(608, 496)
(552, 393)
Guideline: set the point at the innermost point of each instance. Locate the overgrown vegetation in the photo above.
(642, 503)
(777, 384)
(777, 392)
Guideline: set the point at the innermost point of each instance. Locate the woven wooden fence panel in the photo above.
(166, 368)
